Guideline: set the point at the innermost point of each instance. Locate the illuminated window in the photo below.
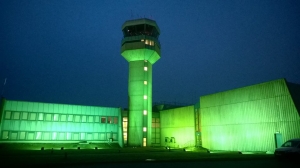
(32, 116)
(147, 42)
(115, 120)
(145, 97)
(7, 115)
(83, 118)
(91, 119)
(22, 135)
(142, 40)
(82, 136)
(96, 136)
(152, 43)
(61, 136)
(54, 135)
(145, 82)
(63, 117)
(70, 117)
(38, 135)
(77, 118)
(24, 116)
(75, 136)
(144, 141)
(30, 136)
(69, 136)
(41, 116)
(89, 136)
(4, 134)
(102, 136)
(145, 129)
(155, 125)
(109, 120)
(48, 117)
(145, 68)
(47, 136)
(55, 117)
(125, 124)
(145, 112)
(96, 118)
(16, 115)
(13, 135)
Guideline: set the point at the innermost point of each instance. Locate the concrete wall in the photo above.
(179, 124)
(245, 119)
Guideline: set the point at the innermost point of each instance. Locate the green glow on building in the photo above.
(178, 127)
(242, 119)
(60, 123)
(141, 48)
(246, 119)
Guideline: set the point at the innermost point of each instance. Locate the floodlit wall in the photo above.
(246, 119)
(46, 122)
(178, 127)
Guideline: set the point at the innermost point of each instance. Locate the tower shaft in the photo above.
(140, 103)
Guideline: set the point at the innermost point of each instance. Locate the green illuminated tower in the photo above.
(141, 48)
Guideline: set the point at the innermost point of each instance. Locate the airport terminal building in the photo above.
(253, 118)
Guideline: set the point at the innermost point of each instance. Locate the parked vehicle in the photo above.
(290, 149)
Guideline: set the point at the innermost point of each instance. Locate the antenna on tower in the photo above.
(3, 87)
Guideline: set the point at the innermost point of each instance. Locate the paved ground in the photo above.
(110, 156)
(260, 163)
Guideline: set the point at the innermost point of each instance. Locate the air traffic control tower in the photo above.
(141, 48)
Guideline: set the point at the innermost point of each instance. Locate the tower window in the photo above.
(145, 82)
(145, 97)
(145, 68)
(152, 43)
(145, 112)
(145, 129)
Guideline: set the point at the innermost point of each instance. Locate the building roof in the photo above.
(141, 21)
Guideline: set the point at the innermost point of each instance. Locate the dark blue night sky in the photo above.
(68, 51)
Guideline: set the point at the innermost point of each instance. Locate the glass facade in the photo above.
(141, 29)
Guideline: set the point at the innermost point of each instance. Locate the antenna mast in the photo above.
(3, 87)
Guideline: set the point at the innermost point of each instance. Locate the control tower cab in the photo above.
(139, 35)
